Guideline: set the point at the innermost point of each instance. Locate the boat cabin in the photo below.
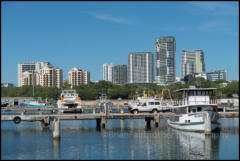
(198, 96)
(69, 93)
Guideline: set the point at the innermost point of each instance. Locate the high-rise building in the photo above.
(50, 77)
(192, 62)
(78, 77)
(108, 72)
(29, 78)
(217, 74)
(30, 67)
(165, 59)
(140, 67)
(120, 74)
(24, 67)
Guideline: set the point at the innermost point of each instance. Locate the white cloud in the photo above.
(215, 8)
(211, 25)
(111, 18)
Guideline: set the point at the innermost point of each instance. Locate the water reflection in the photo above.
(197, 145)
(56, 148)
(121, 139)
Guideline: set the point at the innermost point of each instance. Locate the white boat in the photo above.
(69, 99)
(104, 104)
(198, 113)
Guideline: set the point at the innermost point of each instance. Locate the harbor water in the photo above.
(121, 139)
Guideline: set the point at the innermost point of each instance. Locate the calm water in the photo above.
(128, 139)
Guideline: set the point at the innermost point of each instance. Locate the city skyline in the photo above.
(88, 34)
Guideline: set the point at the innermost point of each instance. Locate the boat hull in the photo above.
(192, 127)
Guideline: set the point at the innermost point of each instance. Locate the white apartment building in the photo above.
(108, 72)
(29, 78)
(30, 67)
(50, 77)
(78, 77)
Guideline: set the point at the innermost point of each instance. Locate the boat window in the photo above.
(151, 103)
(199, 109)
(189, 110)
(144, 104)
(203, 93)
(199, 93)
(193, 110)
(190, 93)
(157, 103)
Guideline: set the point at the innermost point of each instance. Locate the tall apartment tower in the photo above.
(192, 62)
(140, 67)
(78, 77)
(165, 59)
(30, 67)
(120, 74)
(50, 77)
(108, 72)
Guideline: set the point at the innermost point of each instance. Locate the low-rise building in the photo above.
(16, 101)
(216, 75)
(7, 85)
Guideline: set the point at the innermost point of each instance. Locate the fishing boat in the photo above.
(69, 100)
(198, 111)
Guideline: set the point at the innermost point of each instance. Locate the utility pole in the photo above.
(33, 83)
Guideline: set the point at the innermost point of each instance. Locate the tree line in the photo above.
(114, 91)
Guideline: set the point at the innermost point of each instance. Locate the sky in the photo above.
(88, 34)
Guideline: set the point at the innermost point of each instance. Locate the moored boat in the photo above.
(198, 113)
(70, 101)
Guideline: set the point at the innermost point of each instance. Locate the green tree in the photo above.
(66, 85)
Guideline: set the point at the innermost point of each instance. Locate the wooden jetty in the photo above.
(101, 117)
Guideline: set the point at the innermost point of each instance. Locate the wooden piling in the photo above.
(122, 109)
(148, 122)
(156, 120)
(56, 128)
(46, 122)
(207, 121)
(103, 122)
